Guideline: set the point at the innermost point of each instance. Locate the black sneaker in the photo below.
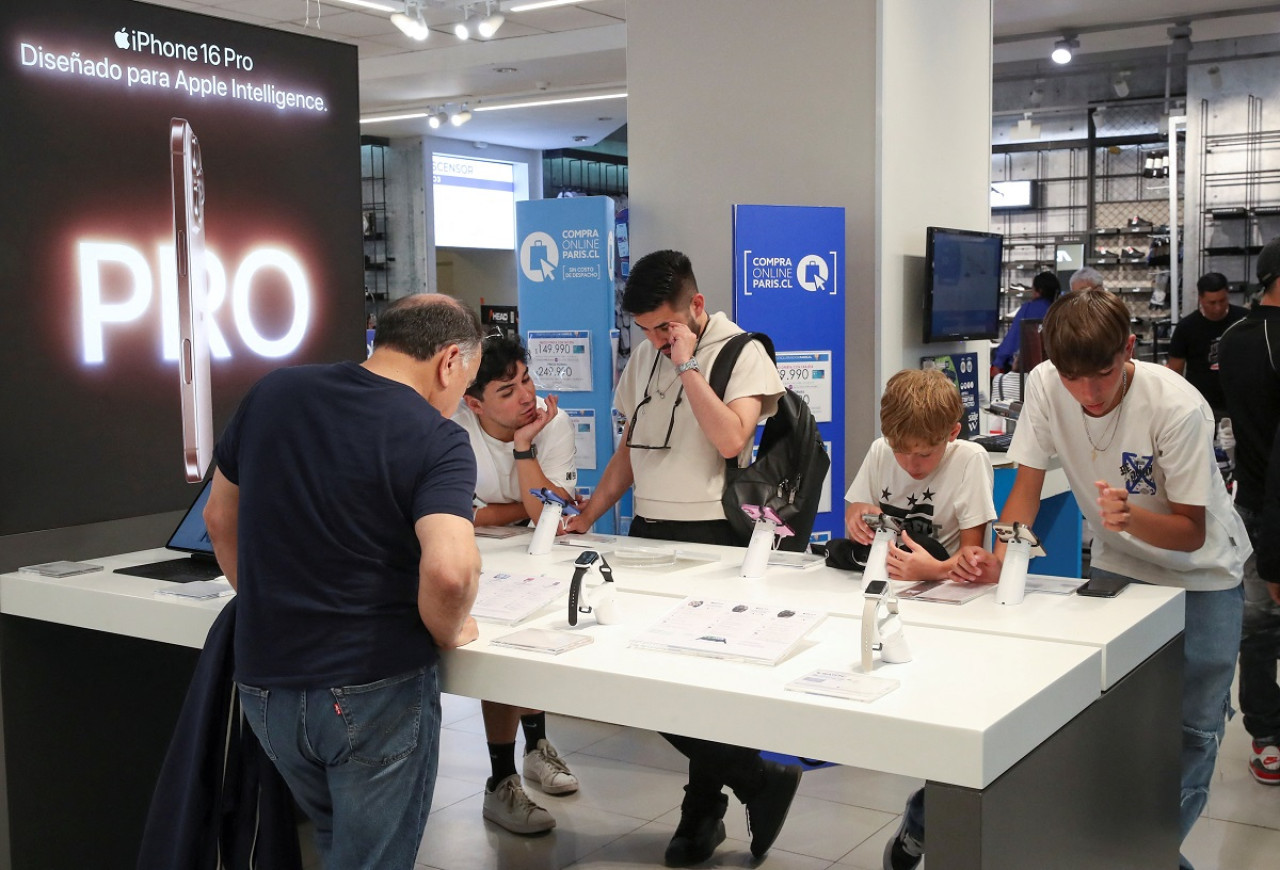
(903, 852)
(701, 829)
(768, 809)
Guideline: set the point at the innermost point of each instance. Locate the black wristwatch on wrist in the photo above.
(531, 453)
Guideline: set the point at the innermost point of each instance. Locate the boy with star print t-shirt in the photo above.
(920, 473)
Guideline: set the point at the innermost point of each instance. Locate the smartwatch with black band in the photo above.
(531, 453)
(581, 566)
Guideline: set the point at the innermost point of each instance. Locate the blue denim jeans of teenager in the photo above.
(1259, 648)
(1211, 642)
(360, 761)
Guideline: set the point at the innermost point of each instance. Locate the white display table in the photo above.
(1049, 729)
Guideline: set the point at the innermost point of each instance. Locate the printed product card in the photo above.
(512, 598)
(843, 684)
(544, 640)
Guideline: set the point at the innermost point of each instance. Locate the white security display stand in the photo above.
(769, 528)
(1022, 544)
(553, 508)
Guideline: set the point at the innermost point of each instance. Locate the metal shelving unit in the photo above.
(1240, 199)
(373, 208)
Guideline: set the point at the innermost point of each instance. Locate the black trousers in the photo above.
(712, 765)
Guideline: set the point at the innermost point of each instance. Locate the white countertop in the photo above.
(1126, 629)
(986, 684)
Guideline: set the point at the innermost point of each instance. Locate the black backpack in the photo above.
(791, 462)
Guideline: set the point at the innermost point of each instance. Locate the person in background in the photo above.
(1044, 289)
(1136, 444)
(679, 434)
(1249, 363)
(1193, 348)
(521, 442)
(340, 511)
(1085, 278)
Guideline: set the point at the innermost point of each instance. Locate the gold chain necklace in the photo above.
(1114, 426)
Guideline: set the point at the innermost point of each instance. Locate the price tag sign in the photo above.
(808, 373)
(560, 362)
(584, 435)
(962, 370)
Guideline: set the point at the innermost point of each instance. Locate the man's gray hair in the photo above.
(1085, 278)
(424, 324)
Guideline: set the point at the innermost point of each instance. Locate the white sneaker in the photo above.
(509, 807)
(544, 766)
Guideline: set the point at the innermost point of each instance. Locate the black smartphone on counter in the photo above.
(1103, 587)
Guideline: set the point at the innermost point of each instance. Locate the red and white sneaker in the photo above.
(1265, 764)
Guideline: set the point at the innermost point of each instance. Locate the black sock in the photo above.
(535, 729)
(502, 760)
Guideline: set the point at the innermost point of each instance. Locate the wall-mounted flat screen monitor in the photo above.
(1013, 194)
(475, 201)
(1068, 256)
(962, 284)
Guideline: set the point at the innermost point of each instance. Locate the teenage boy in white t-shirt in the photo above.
(521, 443)
(1136, 443)
(918, 472)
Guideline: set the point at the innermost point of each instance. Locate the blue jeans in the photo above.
(1211, 641)
(360, 761)
(1259, 648)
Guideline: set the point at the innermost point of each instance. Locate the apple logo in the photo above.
(122, 38)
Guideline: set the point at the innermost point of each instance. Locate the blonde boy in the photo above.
(920, 473)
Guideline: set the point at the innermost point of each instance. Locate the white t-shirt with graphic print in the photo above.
(956, 496)
(1161, 452)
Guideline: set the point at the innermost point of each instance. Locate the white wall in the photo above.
(933, 156)
(756, 101)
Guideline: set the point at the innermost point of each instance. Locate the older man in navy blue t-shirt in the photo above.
(341, 512)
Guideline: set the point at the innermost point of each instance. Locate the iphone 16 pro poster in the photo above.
(178, 221)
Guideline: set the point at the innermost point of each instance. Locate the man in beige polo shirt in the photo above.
(679, 434)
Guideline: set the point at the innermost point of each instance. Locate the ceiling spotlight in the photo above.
(489, 23)
(437, 119)
(410, 21)
(462, 30)
(1215, 77)
(1026, 129)
(460, 117)
(1180, 36)
(1063, 48)
(1120, 83)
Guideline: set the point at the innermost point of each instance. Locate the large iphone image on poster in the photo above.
(187, 168)
(179, 220)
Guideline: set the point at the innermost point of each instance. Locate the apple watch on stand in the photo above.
(882, 633)
(605, 607)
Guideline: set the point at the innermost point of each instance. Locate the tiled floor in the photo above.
(628, 808)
